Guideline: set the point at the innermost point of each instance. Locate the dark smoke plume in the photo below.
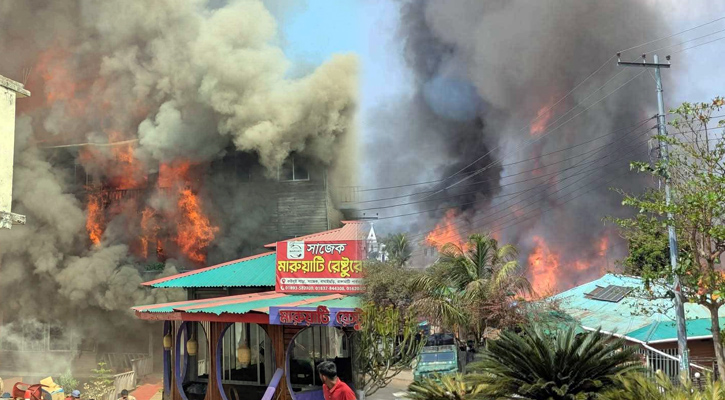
(483, 70)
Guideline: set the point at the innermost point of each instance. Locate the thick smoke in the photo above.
(188, 81)
(483, 70)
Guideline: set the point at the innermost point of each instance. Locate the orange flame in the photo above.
(194, 232)
(95, 218)
(542, 120)
(544, 266)
(603, 246)
(148, 229)
(445, 232)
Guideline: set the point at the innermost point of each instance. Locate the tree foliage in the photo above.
(398, 248)
(696, 173)
(386, 345)
(473, 285)
(68, 382)
(101, 383)
(538, 366)
(387, 284)
(449, 387)
(660, 387)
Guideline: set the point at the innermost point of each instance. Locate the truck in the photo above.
(436, 361)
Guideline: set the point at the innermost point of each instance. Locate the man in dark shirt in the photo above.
(332, 387)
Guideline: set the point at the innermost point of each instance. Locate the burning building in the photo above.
(165, 136)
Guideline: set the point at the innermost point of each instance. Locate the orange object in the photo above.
(27, 391)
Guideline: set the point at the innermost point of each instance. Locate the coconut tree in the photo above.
(398, 248)
(565, 366)
(473, 283)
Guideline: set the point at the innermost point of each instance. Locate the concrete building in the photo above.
(9, 92)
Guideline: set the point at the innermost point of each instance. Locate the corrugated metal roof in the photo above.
(256, 302)
(665, 331)
(631, 315)
(255, 271)
(351, 230)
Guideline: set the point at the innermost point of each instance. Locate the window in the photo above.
(314, 345)
(436, 357)
(36, 336)
(256, 369)
(293, 171)
(58, 339)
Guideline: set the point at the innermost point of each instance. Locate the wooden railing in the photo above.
(126, 380)
(143, 367)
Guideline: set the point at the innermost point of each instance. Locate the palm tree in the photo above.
(565, 366)
(660, 387)
(398, 248)
(471, 282)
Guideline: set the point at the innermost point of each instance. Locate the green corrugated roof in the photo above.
(257, 270)
(258, 302)
(667, 330)
(632, 315)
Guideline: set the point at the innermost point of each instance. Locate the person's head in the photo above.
(124, 394)
(76, 394)
(327, 371)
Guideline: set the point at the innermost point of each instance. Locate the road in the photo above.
(396, 389)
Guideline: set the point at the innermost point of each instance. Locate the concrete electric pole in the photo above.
(677, 288)
(9, 91)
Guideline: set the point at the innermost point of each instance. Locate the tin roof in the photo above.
(633, 316)
(351, 230)
(255, 302)
(254, 271)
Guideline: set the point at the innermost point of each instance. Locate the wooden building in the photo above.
(241, 335)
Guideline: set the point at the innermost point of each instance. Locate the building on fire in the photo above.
(259, 326)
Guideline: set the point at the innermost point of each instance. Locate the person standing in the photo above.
(332, 387)
(75, 395)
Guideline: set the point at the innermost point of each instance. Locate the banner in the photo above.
(319, 266)
(309, 316)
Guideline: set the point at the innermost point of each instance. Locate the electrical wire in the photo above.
(673, 35)
(686, 41)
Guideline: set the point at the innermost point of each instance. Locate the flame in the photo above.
(603, 246)
(194, 232)
(542, 120)
(148, 229)
(95, 217)
(544, 266)
(445, 232)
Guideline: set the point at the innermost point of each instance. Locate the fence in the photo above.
(668, 361)
(143, 367)
(126, 380)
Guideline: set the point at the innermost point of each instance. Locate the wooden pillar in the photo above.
(276, 335)
(213, 391)
(175, 395)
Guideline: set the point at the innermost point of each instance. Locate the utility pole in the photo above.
(9, 91)
(677, 288)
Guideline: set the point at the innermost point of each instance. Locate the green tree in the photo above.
(565, 366)
(473, 285)
(386, 284)
(398, 248)
(696, 172)
(445, 388)
(385, 345)
(68, 382)
(101, 383)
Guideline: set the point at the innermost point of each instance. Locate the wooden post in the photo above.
(276, 334)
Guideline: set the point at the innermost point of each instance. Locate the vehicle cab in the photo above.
(436, 360)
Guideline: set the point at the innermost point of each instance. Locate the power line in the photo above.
(701, 44)
(547, 133)
(498, 179)
(686, 41)
(673, 35)
(503, 204)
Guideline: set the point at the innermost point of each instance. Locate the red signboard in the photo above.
(319, 266)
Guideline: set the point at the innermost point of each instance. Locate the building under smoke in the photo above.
(164, 136)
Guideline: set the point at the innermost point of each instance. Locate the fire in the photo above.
(148, 229)
(95, 218)
(542, 120)
(544, 266)
(445, 232)
(603, 246)
(195, 232)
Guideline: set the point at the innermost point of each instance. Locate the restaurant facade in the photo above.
(257, 327)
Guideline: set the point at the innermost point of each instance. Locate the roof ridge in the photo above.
(209, 268)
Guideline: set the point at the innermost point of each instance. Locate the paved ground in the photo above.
(396, 389)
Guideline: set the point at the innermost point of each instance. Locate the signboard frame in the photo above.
(319, 266)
